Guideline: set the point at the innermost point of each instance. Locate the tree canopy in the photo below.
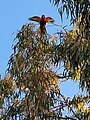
(31, 90)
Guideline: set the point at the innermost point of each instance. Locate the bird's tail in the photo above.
(42, 30)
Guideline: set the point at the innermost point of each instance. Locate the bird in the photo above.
(42, 21)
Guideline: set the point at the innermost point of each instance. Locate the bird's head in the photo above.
(43, 17)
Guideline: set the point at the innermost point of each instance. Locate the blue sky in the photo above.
(14, 14)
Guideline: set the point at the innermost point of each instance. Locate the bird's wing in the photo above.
(49, 19)
(35, 18)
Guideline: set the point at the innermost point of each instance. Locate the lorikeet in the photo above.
(42, 21)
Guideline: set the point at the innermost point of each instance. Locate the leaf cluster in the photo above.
(74, 9)
(75, 53)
